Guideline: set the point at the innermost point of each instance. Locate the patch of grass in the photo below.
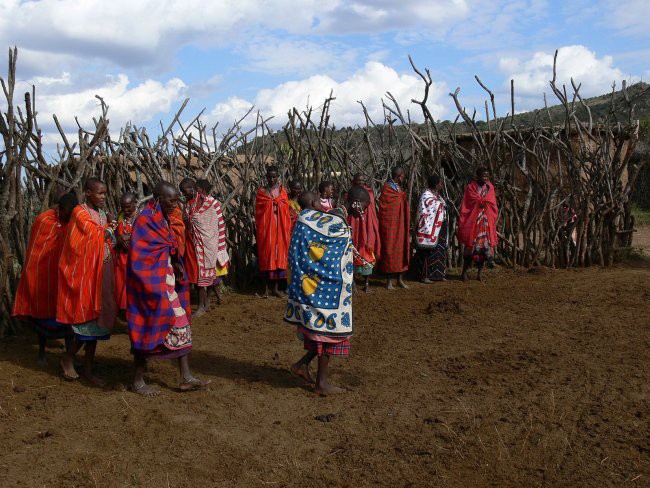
(641, 216)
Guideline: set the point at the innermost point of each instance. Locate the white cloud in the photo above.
(369, 85)
(230, 111)
(139, 103)
(532, 75)
(64, 79)
(290, 56)
(629, 16)
(389, 15)
(495, 24)
(149, 32)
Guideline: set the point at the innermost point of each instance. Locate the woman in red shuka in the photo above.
(394, 223)
(128, 207)
(273, 231)
(477, 224)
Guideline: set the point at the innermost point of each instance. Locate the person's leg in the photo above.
(187, 380)
(301, 368)
(139, 385)
(267, 286)
(203, 301)
(490, 258)
(323, 388)
(366, 286)
(89, 362)
(276, 290)
(389, 282)
(42, 360)
(67, 361)
(422, 262)
(217, 293)
(400, 281)
(479, 276)
(467, 261)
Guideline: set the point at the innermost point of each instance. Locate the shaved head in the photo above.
(67, 203)
(164, 188)
(128, 197)
(359, 194)
(307, 200)
(92, 182)
(167, 196)
(185, 182)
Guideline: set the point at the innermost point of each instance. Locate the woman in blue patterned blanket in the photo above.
(320, 284)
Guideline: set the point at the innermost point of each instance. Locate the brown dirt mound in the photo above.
(526, 380)
(446, 305)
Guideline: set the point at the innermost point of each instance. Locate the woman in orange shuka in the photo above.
(37, 289)
(86, 298)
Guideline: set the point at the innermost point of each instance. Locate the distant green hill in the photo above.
(601, 109)
(600, 106)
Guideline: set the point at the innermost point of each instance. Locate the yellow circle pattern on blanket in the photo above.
(316, 250)
(309, 284)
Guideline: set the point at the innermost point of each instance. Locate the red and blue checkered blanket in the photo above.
(149, 311)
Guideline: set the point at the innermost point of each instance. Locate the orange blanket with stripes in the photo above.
(80, 269)
(37, 289)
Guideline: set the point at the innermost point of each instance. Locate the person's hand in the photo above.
(124, 240)
(179, 271)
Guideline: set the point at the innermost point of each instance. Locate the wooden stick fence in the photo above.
(535, 169)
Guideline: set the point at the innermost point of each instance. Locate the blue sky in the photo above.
(145, 57)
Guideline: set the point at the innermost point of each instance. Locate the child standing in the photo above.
(320, 285)
(326, 190)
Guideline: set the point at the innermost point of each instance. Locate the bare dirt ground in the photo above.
(641, 240)
(537, 378)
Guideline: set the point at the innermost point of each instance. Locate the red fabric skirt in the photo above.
(341, 349)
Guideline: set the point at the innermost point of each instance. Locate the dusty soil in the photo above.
(641, 240)
(537, 378)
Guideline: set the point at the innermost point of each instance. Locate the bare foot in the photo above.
(426, 281)
(279, 294)
(326, 389)
(67, 366)
(193, 384)
(402, 284)
(464, 277)
(199, 312)
(389, 285)
(480, 277)
(145, 390)
(95, 380)
(302, 371)
(366, 289)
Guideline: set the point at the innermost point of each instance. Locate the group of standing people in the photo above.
(477, 230)
(84, 268)
(317, 248)
(382, 236)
